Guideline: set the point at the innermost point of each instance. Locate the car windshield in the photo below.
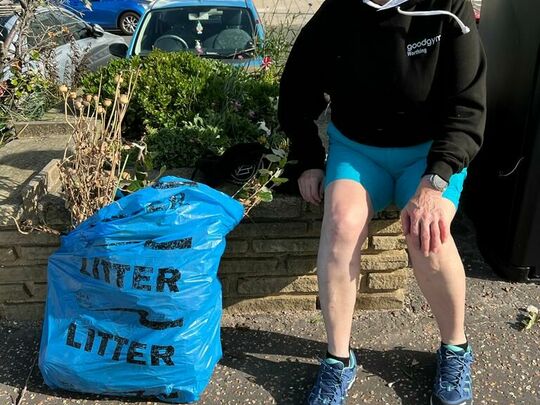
(211, 31)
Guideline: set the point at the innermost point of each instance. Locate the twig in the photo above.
(18, 226)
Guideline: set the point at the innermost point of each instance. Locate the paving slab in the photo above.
(20, 161)
(272, 358)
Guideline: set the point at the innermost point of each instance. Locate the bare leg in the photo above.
(347, 212)
(441, 278)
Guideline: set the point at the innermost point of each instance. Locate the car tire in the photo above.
(128, 22)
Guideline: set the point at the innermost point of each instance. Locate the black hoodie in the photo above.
(393, 80)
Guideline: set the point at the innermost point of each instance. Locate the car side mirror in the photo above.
(118, 49)
(97, 31)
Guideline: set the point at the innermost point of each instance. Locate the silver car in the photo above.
(71, 35)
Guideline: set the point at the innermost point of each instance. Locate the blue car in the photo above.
(229, 30)
(123, 15)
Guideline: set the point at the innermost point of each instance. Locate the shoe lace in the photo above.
(452, 370)
(330, 382)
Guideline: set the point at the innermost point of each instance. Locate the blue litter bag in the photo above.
(134, 303)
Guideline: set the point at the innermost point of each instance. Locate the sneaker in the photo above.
(333, 382)
(453, 381)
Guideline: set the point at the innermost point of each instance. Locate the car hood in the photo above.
(96, 54)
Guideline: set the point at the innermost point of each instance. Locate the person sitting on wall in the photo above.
(408, 104)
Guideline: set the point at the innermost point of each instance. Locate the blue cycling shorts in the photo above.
(389, 175)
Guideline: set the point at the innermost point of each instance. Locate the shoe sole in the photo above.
(462, 403)
(349, 387)
(351, 383)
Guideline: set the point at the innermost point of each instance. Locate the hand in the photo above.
(424, 220)
(310, 184)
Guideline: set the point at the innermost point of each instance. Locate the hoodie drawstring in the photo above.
(463, 27)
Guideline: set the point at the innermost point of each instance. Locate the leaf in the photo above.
(272, 158)
(243, 194)
(279, 152)
(162, 171)
(280, 180)
(148, 164)
(265, 196)
(265, 172)
(135, 185)
(141, 175)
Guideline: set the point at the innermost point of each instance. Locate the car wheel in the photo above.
(128, 22)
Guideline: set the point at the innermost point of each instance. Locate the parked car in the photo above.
(90, 40)
(229, 30)
(123, 15)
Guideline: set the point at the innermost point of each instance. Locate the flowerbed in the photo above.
(187, 105)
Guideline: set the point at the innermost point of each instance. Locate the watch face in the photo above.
(439, 183)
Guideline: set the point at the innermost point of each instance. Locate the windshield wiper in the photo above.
(218, 55)
(241, 52)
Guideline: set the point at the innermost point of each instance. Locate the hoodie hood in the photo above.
(396, 3)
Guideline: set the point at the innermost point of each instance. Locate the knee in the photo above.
(347, 225)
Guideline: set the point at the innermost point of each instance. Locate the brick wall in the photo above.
(269, 263)
(23, 273)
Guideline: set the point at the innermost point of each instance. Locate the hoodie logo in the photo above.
(422, 46)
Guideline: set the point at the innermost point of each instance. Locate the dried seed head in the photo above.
(100, 110)
(107, 102)
(96, 98)
(73, 95)
(85, 103)
(88, 97)
(78, 105)
(124, 99)
(63, 89)
(119, 79)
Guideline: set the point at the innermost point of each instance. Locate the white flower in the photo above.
(264, 128)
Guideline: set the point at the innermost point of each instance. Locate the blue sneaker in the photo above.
(453, 381)
(333, 382)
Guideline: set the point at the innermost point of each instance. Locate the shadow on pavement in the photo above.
(288, 380)
(19, 347)
(283, 365)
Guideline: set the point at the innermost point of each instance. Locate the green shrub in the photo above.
(183, 145)
(26, 96)
(195, 104)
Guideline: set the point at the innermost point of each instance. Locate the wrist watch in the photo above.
(437, 182)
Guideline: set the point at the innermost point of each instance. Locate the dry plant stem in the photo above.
(253, 200)
(91, 175)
